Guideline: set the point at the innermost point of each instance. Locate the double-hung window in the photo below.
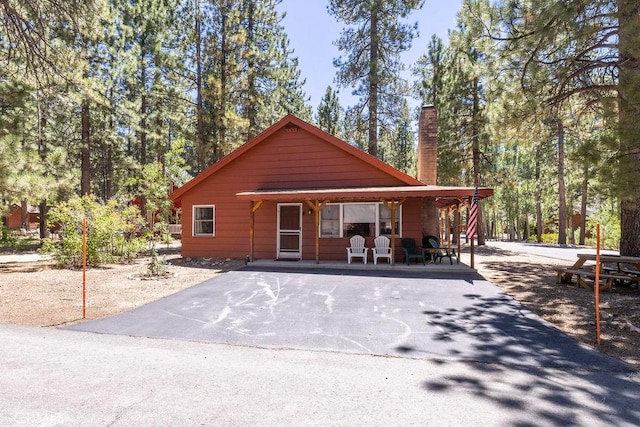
(330, 221)
(204, 220)
(384, 221)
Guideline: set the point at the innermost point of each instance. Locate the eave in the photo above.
(454, 194)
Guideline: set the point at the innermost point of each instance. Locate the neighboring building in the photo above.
(26, 218)
(297, 192)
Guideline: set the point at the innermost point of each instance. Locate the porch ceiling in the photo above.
(451, 194)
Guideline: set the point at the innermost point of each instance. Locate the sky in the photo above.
(312, 31)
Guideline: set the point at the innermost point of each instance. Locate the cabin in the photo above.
(25, 218)
(295, 192)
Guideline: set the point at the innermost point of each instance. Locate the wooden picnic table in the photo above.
(619, 274)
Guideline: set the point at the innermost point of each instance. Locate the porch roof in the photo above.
(444, 195)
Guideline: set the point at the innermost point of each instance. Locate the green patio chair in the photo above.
(411, 251)
(434, 251)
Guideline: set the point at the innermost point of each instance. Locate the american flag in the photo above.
(472, 221)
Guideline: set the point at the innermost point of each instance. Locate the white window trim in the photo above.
(193, 221)
(377, 226)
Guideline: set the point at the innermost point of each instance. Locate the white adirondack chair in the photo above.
(357, 249)
(382, 249)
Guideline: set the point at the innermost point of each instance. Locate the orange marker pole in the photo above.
(597, 283)
(84, 268)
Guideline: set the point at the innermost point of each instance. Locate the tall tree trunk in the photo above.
(252, 96)
(143, 121)
(108, 182)
(516, 216)
(85, 149)
(373, 81)
(629, 102)
(583, 204)
(158, 141)
(108, 161)
(512, 228)
(42, 151)
(562, 193)
(225, 51)
(572, 226)
(143, 130)
(44, 213)
(200, 138)
(538, 195)
(24, 214)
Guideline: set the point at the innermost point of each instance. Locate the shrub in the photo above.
(112, 232)
(7, 238)
(550, 238)
(610, 230)
(156, 267)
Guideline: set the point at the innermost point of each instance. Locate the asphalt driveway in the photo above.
(436, 315)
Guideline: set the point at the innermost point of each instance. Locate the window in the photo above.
(330, 221)
(359, 219)
(385, 221)
(365, 219)
(203, 221)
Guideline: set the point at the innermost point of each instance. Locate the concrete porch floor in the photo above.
(430, 267)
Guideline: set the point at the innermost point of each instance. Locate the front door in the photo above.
(289, 231)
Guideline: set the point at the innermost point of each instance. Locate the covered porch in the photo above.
(432, 199)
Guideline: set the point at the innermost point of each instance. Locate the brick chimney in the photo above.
(428, 145)
(428, 166)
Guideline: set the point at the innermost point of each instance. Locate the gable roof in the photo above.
(289, 120)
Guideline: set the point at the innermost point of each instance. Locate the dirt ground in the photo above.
(38, 294)
(531, 280)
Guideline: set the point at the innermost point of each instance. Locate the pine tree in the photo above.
(285, 94)
(430, 72)
(329, 113)
(40, 51)
(454, 79)
(590, 50)
(629, 111)
(224, 76)
(35, 33)
(398, 143)
(151, 89)
(273, 83)
(252, 76)
(371, 44)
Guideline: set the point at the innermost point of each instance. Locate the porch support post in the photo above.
(447, 226)
(316, 211)
(253, 207)
(393, 233)
(458, 220)
(316, 206)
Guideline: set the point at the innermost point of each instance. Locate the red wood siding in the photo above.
(286, 160)
(300, 160)
(14, 220)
